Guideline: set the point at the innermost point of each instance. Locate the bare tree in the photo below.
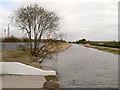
(36, 21)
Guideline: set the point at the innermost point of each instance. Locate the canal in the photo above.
(82, 67)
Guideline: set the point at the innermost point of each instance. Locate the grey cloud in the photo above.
(91, 20)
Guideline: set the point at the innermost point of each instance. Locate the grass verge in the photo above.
(22, 57)
(51, 82)
(108, 50)
(105, 49)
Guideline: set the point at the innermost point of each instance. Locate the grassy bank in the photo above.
(61, 46)
(25, 57)
(110, 45)
(103, 48)
(20, 56)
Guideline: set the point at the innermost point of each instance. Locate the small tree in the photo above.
(36, 21)
(83, 41)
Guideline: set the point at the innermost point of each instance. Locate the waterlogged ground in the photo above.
(85, 67)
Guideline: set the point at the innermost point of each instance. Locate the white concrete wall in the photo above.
(22, 69)
(1, 67)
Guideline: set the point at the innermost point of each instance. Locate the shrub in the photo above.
(22, 48)
(26, 40)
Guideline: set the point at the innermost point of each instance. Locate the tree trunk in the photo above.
(31, 48)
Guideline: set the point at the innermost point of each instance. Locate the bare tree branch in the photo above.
(36, 21)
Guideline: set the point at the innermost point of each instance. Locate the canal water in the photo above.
(82, 67)
(14, 45)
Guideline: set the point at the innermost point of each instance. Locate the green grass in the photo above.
(108, 50)
(16, 53)
(51, 78)
(115, 45)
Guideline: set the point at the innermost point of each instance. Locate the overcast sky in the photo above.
(90, 19)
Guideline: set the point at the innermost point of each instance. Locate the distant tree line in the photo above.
(15, 39)
(81, 41)
(112, 44)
